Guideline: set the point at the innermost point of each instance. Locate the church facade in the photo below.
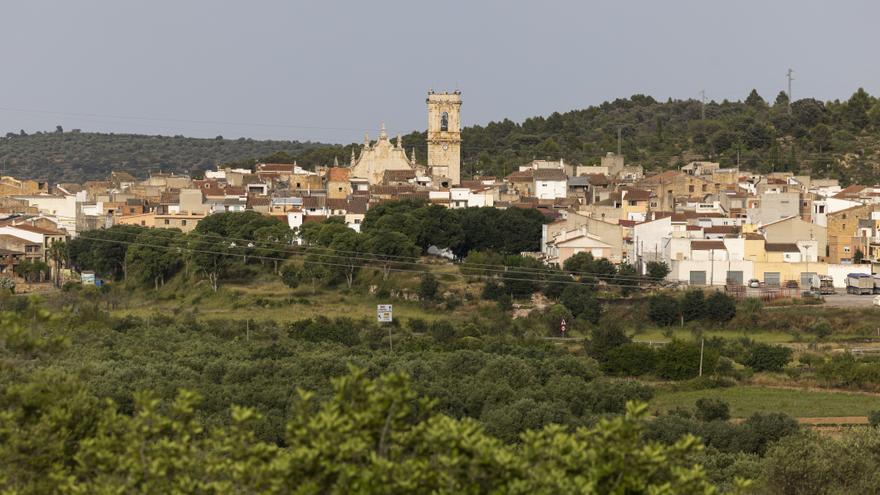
(444, 146)
(376, 158)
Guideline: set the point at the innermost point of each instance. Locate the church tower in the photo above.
(444, 137)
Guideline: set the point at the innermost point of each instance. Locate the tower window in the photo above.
(444, 121)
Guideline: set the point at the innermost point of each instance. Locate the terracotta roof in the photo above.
(752, 236)
(521, 176)
(598, 179)
(637, 195)
(398, 175)
(781, 247)
(350, 205)
(627, 223)
(849, 191)
(706, 245)
(338, 174)
(17, 240)
(554, 174)
(693, 227)
(721, 229)
(37, 230)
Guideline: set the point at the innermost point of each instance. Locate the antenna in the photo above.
(790, 79)
(702, 104)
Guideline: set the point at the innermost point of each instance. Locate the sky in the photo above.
(330, 71)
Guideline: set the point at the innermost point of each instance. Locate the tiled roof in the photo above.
(549, 174)
(706, 245)
(781, 247)
(338, 174)
(37, 230)
(721, 229)
(521, 176)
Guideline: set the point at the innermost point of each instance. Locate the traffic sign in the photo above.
(384, 313)
(562, 326)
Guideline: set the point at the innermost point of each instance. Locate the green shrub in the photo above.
(720, 307)
(679, 360)
(712, 410)
(663, 310)
(693, 305)
(874, 418)
(630, 359)
(766, 357)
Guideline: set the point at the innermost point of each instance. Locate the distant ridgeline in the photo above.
(80, 156)
(837, 139)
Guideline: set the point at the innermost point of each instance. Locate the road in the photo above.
(844, 300)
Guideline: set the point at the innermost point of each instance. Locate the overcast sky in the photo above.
(328, 71)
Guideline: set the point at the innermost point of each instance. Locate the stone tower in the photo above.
(444, 137)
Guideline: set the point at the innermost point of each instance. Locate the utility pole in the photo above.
(702, 342)
(702, 104)
(790, 79)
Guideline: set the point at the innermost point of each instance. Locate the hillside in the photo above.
(839, 139)
(79, 156)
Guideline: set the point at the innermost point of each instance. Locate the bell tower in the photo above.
(444, 137)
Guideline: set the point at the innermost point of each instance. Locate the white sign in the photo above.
(383, 313)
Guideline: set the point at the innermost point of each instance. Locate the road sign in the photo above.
(562, 326)
(384, 313)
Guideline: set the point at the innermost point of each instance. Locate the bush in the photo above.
(765, 357)
(417, 325)
(442, 331)
(657, 270)
(693, 305)
(630, 359)
(720, 307)
(581, 301)
(679, 360)
(604, 338)
(290, 276)
(663, 310)
(428, 287)
(712, 410)
(874, 418)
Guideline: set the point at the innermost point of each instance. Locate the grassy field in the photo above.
(656, 335)
(271, 300)
(746, 400)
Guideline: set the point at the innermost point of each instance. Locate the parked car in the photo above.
(754, 283)
(791, 284)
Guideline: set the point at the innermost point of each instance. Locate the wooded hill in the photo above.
(839, 139)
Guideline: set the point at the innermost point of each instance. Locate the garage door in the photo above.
(807, 279)
(735, 277)
(771, 279)
(698, 277)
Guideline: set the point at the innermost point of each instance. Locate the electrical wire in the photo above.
(366, 256)
(343, 265)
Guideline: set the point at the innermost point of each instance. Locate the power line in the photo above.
(415, 260)
(347, 265)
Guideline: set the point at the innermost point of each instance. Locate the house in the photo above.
(842, 233)
(793, 229)
(338, 185)
(569, 243)
(550, 183)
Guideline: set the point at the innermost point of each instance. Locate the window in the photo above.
(444, 121)
(691, 188)
(167, 221)
(183, 222)
(704, 188)
(846, 249)
(143, 222)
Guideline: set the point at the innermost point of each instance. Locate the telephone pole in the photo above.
(702, 104)
(790, 79)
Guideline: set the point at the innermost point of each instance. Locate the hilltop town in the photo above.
(712, 226)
